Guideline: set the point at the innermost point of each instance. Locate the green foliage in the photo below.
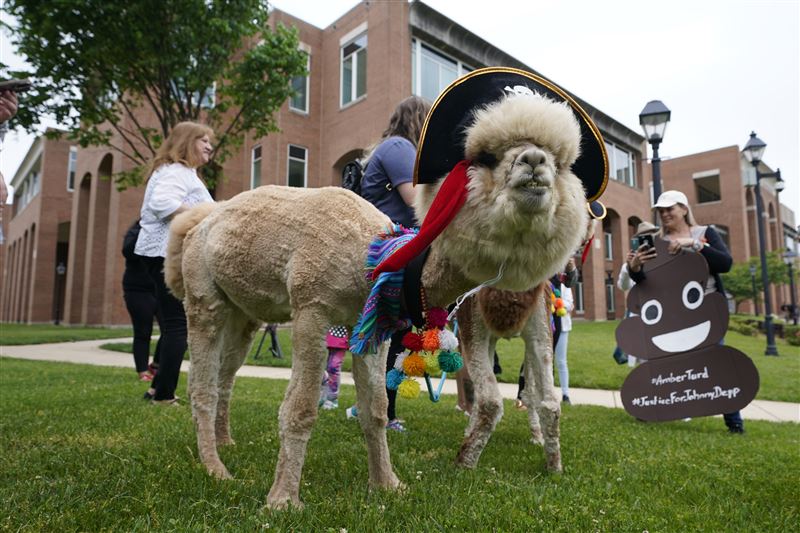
(81, 451)
(792, 334)
(739, 282)
(122, 74)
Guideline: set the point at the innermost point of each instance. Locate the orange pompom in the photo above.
(559, 302)
(430, 340)
(414, 365)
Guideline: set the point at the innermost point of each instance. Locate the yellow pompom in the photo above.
(561, 312)
(408, 389)
(414, 365)
(432, 363)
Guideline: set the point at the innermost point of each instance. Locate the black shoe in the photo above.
(565, 399)
(148, 396)
(620, 357)
(736, 429)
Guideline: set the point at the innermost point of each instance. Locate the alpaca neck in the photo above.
(443, 281)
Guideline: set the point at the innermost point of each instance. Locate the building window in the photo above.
(621, 165)
(255, 167)
(706, 187)
(432, 71)
(611, 305)
(73, 158)
(299, 102)
(578, 293)
(608, 238)
(296, 169)
(354, 70)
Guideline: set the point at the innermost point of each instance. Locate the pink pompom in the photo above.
(437, 317)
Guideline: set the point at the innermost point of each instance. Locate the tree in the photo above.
(122, 74)
(739, 283)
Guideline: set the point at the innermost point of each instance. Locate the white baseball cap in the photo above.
(670, 198)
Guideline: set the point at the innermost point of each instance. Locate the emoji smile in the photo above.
(683, 340)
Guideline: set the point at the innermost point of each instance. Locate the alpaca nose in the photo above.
(532, 156)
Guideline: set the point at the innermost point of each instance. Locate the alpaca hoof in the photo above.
(554, 464)
(466, 460)
(283, 503)
(219, 471)
(537, 438)
(392, 483)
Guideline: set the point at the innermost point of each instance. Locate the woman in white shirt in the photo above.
(173, 186)
(563, 342)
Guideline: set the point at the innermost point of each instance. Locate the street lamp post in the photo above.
(789, 258)
(755, 293)
(653, 119)
(753, 151)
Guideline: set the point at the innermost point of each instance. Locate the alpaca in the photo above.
(275, 254)
(494, 314)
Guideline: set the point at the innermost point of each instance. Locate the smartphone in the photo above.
(18, 86)
(647, 240)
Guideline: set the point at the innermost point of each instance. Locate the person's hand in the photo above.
(570, 265)
(675, 245)
(8, 105)
(640, 256)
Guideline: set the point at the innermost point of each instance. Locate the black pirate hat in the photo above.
(441, 143)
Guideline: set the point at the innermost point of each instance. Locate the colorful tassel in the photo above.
(414, 365)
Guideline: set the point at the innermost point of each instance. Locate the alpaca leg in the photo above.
(529, 397)
(239, 336)
(298, 411)
(369, 373)
(477, 347)
(206, 328)
(540, 360)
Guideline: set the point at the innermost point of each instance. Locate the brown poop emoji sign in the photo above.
(677, 329)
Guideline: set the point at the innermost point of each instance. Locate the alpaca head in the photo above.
(525, 208)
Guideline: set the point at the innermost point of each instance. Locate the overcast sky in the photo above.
(724, 67)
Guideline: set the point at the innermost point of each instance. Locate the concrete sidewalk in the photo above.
(90, 353)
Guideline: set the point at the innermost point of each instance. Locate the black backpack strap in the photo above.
(412, 289)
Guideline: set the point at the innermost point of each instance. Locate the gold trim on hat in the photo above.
(585, 116)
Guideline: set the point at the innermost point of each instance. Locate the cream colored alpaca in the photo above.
(276, 254)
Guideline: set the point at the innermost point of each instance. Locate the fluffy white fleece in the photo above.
(508, 122)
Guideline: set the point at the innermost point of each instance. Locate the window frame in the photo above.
(354, 96)
(290, 158)
(612, 148)
(417, 45)
(72, 165)
(306, 82)
(608, 244)
(253, 160)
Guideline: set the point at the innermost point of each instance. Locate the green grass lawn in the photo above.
(80, 451)
(15, 334)
(590, 362)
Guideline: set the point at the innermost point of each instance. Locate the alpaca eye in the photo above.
(692, 295)
(651, 312)
(486, 159)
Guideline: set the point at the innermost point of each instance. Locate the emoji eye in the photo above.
(692, 295)
(651, 312)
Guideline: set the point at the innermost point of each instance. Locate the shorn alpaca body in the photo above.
(275, 254)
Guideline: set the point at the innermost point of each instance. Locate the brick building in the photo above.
(36, 229)
(360, 67)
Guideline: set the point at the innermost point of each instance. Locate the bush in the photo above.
(743, 328)
(792, 334)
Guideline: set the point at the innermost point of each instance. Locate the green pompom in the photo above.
(432, 364)
(450, 361)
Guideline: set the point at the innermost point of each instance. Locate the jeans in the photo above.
(561, 362)
(142, 307)
(173, 332)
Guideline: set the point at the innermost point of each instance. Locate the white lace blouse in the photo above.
(169, 187)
